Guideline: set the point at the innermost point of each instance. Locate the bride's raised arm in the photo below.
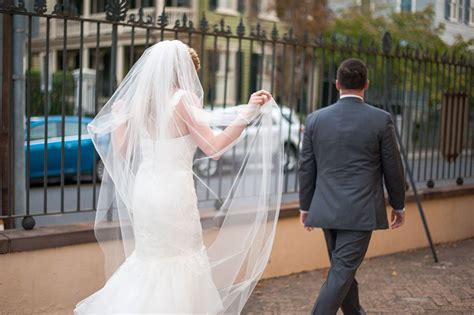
(197, 123)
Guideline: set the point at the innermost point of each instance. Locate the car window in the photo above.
(37, 132)
(70, 129)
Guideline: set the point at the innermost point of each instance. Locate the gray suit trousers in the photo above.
(346, 251)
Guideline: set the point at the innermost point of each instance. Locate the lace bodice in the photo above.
(166, 218)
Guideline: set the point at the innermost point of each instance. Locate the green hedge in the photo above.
(55, 96)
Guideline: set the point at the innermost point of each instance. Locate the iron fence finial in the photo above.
(162, 19)
(453, 57)
(288, 37)
(116, 10)
(444, 56)
(397, 50)
(222, 28)
(347, 43)
(334, 40)
(240, 28)
(319, 40)
(360, 43)
(40, 6)
(10, 5)
(274, 33)
(142, 19)
(258, 32)
(387, 43)
(203, 23)
(305, 37)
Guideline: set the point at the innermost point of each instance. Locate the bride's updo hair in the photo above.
(195, 58)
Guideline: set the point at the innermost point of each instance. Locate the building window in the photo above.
(267, 9)
(456, 10)
(178, 3)
(227, 5)
(72, 60)
(405, 6)
(98, 6)
(102, 61)
(460, 9)
(135, 4)
(225, 96)
(75, 4)
(131, 56)
(266, 6)
(260, 76)
(453, 10)
(471, 13)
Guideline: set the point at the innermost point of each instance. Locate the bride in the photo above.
(158, 257)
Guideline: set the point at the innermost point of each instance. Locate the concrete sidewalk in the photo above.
(403, 283)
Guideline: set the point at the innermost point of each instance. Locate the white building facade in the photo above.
(456, 15)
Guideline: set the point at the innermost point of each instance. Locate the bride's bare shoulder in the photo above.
(187, 100)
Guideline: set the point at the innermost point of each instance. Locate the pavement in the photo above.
(402, 283)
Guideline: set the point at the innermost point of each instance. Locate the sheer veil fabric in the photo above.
(161, 97)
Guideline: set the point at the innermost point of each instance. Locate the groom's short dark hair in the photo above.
(352, 74)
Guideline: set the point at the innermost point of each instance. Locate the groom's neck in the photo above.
(352, 92)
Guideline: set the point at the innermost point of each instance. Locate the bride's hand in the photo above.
(257, 99)
(260, 98)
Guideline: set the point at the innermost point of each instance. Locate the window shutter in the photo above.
(255, 7)
(241, 6)
(467, 10)
(447, 9)
(212, 4)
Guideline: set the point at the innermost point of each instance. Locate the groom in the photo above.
(349, 150)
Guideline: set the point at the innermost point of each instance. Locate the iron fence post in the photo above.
(116, 11)
(18, 120)
(6, 113)
(113, 60)
(386, 58)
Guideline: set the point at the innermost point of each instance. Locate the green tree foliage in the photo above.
(309, 16)
(424, 68)
(412, 30)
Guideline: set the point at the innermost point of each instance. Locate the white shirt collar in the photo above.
(351, 95)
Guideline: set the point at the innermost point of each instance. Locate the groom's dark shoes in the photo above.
(349, 151)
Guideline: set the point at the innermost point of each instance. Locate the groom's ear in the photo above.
(366, 86)
(338, 86)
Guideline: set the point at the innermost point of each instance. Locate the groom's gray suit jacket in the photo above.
(349, 150)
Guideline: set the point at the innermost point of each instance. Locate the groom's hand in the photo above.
(398, 218)
(303, 216)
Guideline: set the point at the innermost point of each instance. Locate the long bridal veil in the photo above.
(163, 97)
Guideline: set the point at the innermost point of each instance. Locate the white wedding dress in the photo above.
(168, 271)
(147, 223)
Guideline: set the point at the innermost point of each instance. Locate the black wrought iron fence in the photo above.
(73, 63)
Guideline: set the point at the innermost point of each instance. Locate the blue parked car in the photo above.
(71, 139)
